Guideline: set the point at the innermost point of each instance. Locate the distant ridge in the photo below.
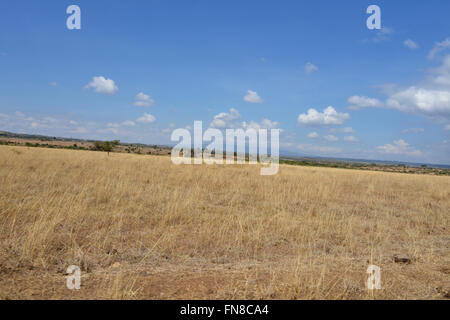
(367, 161)
(282, 157)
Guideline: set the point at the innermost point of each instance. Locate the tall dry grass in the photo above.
(141, 227)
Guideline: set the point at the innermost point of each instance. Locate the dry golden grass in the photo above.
(141, 227)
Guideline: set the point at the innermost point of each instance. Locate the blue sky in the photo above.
(139, 69)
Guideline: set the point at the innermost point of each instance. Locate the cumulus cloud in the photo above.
(126, 123)
(253, 97)
(102, 85)
(48, 125)
(169, 129)
(143, 100)
(331, 138)
(264, 124)
(60, 125)
(431, 98)
(358, 102)
(438, 47)
(269, 124)
(233, 120)
(343, 130)
(313, 135)
(421, 100)
(22, 116)
(146, 118)
(442, 74)
(329, 116)
(410, 44)
(310, 68)
(109, 130)
(400, 147)
(350, 139)
(225, 120)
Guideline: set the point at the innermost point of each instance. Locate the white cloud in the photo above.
(343, 130)
(232, 120)
(431, 98)
(329, 116)
(50, 119)
(380, 35)
(386, 30)
(22, 116)
(226, 120)
(53, 84)
(410, 44)
(269, 124)
(20, 122)
(447, 127)
(442, 79)
(313, 135)
(113, 130)
(264, 124)
(319, 149)
(102, 85)
(358, 102)
(41, 124)
(286, 145)
(169, 129)
(399, 147)
(143, 100)
(310, 68)
(81, 130)
(331, 138)
(413, 130)
(66, 126)
(438, 47)
(126, 123)
(421, 100)
(253, 97)
(350, 139)
(146, 118)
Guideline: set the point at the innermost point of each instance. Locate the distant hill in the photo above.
(287, 158)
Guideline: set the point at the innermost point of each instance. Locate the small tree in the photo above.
(106, 146)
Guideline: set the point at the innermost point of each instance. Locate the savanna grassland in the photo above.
(140, 227)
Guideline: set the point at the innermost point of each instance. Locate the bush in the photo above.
(106, 146)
